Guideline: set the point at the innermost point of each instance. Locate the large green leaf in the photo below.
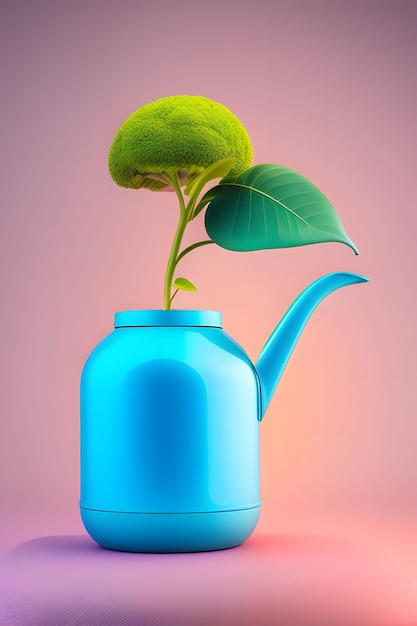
(270, 206)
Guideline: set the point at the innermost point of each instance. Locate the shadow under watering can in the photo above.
(170, 413)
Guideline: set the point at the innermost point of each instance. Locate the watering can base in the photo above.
(170, 532)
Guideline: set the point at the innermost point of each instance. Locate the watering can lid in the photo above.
(159, 317)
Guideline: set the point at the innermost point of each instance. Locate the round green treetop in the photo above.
(188, 133)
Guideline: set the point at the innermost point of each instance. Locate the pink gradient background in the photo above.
(325, 88)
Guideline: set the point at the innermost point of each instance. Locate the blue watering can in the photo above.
(170, 414)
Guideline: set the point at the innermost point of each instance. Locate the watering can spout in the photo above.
(278, 349)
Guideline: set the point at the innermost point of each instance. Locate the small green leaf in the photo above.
(184, 284)
(219, 169)
(270, 206)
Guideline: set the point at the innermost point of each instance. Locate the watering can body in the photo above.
(170, 413)
(170, 409)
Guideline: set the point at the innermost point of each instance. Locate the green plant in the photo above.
(186, 142)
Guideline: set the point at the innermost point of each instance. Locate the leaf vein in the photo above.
(266, 195)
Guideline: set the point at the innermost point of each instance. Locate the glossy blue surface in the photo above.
(170, 412)
(170, 532)
(157, 317)
(169, 424)
(280, 345)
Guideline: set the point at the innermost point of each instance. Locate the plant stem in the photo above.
(192, 247)
(182, 223)
(174, 294)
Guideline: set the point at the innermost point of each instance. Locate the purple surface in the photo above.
(289, 579)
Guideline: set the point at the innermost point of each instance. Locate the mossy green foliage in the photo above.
(187, 133)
